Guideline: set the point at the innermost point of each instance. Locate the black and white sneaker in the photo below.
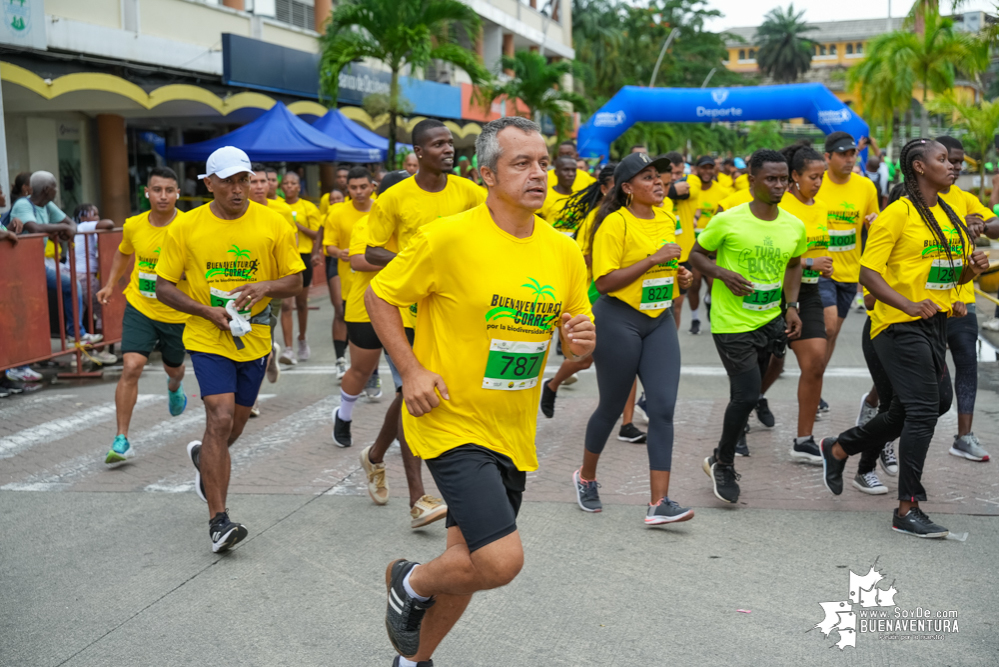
(887, 460)
(870, 484)
(915, 522)
(832, 468)
(404, 613)
(724, 479)
(587, 495)
(823, 406)
(741, 448)
(631, 433)
(667, 511)
(548, 400)
(695, 327)
(194, 453)
(341, 430)
(641, 409)
(422, 663)
(806, 452)
(224, 533)
(763, 413)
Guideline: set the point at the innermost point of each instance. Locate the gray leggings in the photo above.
(630, 343)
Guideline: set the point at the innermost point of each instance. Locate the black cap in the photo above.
(631, 165)
(392, 178)
(703, 160)
(840, 143)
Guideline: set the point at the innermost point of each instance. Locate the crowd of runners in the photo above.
(468, 293)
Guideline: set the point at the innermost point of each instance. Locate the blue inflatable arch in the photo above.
(633, 104)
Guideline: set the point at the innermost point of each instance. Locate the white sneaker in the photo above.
(373, 387)
(104, 358)
(92, 338)
(341, 368)
(378, 488)
(867, 413)
(427, 510)
(273, 367)
(992, 325)
(24, 374)
(288, 357)
(572, 379)
(303, 350)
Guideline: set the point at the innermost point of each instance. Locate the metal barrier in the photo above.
(25, 334)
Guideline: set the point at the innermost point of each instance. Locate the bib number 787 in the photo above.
(514, 365)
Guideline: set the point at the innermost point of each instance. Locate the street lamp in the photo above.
(669, 40)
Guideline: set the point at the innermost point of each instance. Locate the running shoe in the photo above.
(548, 400)
(572, 379)
(968, 447)
(915, 522)
(225, 534)
(867, 412)
(991, 325)
(373, 388)
(255, 410)
(273, 367)
(741, 448)
(887, 460)
(194, 453)
(640, 409)
(177, 399)
(24, 374)
(304, 352)
(421, 663)
(763, 413)
(806, 452)
(587, 494)
(404, 613)
(377, 486)
(91, 338)
(858, 304)
(724, 479)
(427, 510)
(103, 358)
(695, 327)
(288, 357)
(120, 450)
(630, 433)
(667, 511)
(832, 468)
(823, 406)
(869, 483)
(341, 368)
(4, 393)
(341, 430)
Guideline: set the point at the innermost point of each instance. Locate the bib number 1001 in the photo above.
(514, 365)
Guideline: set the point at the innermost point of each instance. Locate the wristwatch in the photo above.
(809, 261)
(792, 304)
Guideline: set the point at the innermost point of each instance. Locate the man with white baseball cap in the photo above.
(236, 256)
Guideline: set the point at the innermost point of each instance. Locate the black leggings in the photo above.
(630, 343)
(912, 354)
(869, 457)
(962, 339)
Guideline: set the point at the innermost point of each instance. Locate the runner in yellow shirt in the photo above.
(734, 199)
(582, 180)
(308, 222)
(493, 284)
(558, 195)
(918, 252)
(147, 324)
(678, 194)
(236, 255)
(705, 194)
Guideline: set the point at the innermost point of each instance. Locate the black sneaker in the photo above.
(741, 448)
(404, 613)
(887, 459)
(224, 533)
(915, 522)
(631, 433)
(806, 452)
(695, 327)
(422, 663)
(548, 400)
(823, 406)
(587, 495)
(341, 430)
(763, 413)
(194, 453)
(724, 478)
(832, 468)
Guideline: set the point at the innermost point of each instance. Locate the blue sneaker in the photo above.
(120, 450)
(178, 399)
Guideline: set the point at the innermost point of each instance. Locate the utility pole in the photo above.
(669, 40)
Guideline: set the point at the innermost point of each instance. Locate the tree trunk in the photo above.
(924, 121)
(981, 174)
(393, 111)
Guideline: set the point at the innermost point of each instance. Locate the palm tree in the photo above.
(784, 53)
(399, 33)
(883, 84)
(537, 83)
(980, 120)
(598, 36)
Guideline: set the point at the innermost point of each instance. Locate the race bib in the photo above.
(764, 297)
(657, 293)
(514, 365)
(147, 285)
(944, 274)
(220, 297)
(809, 277)
(842, 240)
(679, 227)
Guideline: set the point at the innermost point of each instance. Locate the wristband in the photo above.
(792, 304)
(809, 262)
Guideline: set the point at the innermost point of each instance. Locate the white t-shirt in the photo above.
(80, 247)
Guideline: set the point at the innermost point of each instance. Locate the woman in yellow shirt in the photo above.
(636, 268)
(918, 251)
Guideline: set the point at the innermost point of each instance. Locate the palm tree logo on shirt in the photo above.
(232, 268)
(149, 263)
(539, 291)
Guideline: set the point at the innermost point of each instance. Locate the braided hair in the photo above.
(912, 151)
(615, 200)
(582, 203)
(799, 154)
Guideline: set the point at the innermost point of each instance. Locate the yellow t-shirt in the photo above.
(219, 255)
(705, 202)
(816, 229)
(146, 241)
(965, 204)
(359, 280)
(726, 182)
(489, 303)
(306, 214)
(339, 223)
(582, 180)
(552, 212)
(683, 210)
(735, 198)
(741, 182)
(621, 241)
(849, 204)
(910, 258)
(284, 211)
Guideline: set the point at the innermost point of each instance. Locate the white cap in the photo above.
(227, 161)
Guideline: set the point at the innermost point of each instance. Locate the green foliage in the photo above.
(784, 52)
(764, 134)
(981, 121)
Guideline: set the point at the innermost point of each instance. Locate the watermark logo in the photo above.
(609, 119)
(719, 96)
(871, 609)
(834, 116)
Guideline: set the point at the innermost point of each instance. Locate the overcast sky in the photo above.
(740, 13)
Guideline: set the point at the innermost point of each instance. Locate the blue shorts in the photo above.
(221, 375)
(837, 294)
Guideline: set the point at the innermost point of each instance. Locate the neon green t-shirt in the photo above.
(759, 250)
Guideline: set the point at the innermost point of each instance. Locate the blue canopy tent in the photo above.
(633, 104)
(278, 136)
(335, 124)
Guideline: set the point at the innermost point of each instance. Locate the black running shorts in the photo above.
(142, 335)
(483, 491)
(741, 352)
(362, 334)
(307, 274)
(331, 268)
(811, 312)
